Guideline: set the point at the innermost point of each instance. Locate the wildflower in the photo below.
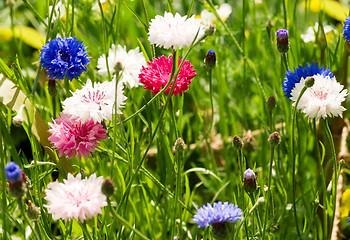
(131, 62)
(309, 36)
(157, 75)
(70, 136)
(210, 59)
(218, 213)
(16, 179)
(346, 30)
(59, 11)
(180, 145)
(223, 11)
(94, 102)
(323, 99)
(237, 143)
(274, 139)
(64, 58)
(292, 78)
(249, 181)
(271, 103)
(174, 31)
(107, 187)
(282, 40)
(76, 198)
(20, 117)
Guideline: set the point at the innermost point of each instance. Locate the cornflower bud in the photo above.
(16, 179)
(210, 59)
(282, 40)
(249, 181)
(179, 145)
(309, 82)
(33, 211)
(237, 143)
(274, 139)
(108, 187)
(118, 67)
(271, 103)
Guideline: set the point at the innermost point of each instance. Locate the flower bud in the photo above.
(249, 181)
(179, 145)
(16, 179)
(309, 82)
(269, 27)
(271, 103)
(52, 87)
(108, 187)
(19, 118)
(118, 67)
(274, 139)
(237, 143)
(209, 31)
(282, 40)
(33, 211)
(210, 59)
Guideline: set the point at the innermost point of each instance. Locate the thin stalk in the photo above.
(87, 235)
(125, 222)
(252, 197)
(210, 71)
(115, 121)
(272, 151)
(241, 160)
(294, 114)
(178, 194)
(26, 219)
(335, 166)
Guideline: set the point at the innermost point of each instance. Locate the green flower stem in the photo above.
(335, 166)
(125, 222)
(252, 197)
(178, 194)
(294, 115)
(285, 60)
(272, 151)
(210, 72)
(240, 161)
(87, 235)
(115, 123)
(26, 219)
(323, 180)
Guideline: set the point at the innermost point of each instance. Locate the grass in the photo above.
(158, 190)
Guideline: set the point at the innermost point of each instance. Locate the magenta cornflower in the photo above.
(157, 74)
(70, 136)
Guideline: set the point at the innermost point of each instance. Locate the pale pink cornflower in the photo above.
(70, 136)
(76, 198)
(157, 74)
(174, 31)
(94, 102)
(323, 99)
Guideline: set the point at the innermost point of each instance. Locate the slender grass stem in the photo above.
(26, 219)
(87, 234)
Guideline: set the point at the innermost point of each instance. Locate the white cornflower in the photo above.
(223, 11)
(94, 102)
(309, 36)
(323, 99)
(174, 31)
(76, 198)
(131, 63)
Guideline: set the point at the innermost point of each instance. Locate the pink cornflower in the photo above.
(76, 198)
(70, 136)
(157, 74)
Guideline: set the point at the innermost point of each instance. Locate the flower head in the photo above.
(294, 77)
(94, 102)
(174, 31)
(210, 59)
(64, 58)
(282, 40)
(249, 180)
(76, 198)
(346, 30)
(323, 99)
(157, 75)
(70, 136)
(218, 213)
(13, 172)
(223, 11)
(131, 63)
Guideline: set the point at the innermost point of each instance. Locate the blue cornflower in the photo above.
(218, 213)
(346, 30)
(210, 59)
(64, 58)
(292, 78)
(13, 172)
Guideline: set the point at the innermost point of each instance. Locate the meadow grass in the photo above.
(158, 188)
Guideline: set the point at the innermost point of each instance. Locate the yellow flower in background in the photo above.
(345, 204)
(332, 8)
(209, 18)
(28, 35)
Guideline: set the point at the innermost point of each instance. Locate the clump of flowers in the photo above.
(131, 62)
(219, 213)
(294, 77)
(174, 31)
(70, 136)
(323, 99)
(64, 58)
(76, 198)
(346, 29)
(223, 11)
(94, 102)
(158, 72)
